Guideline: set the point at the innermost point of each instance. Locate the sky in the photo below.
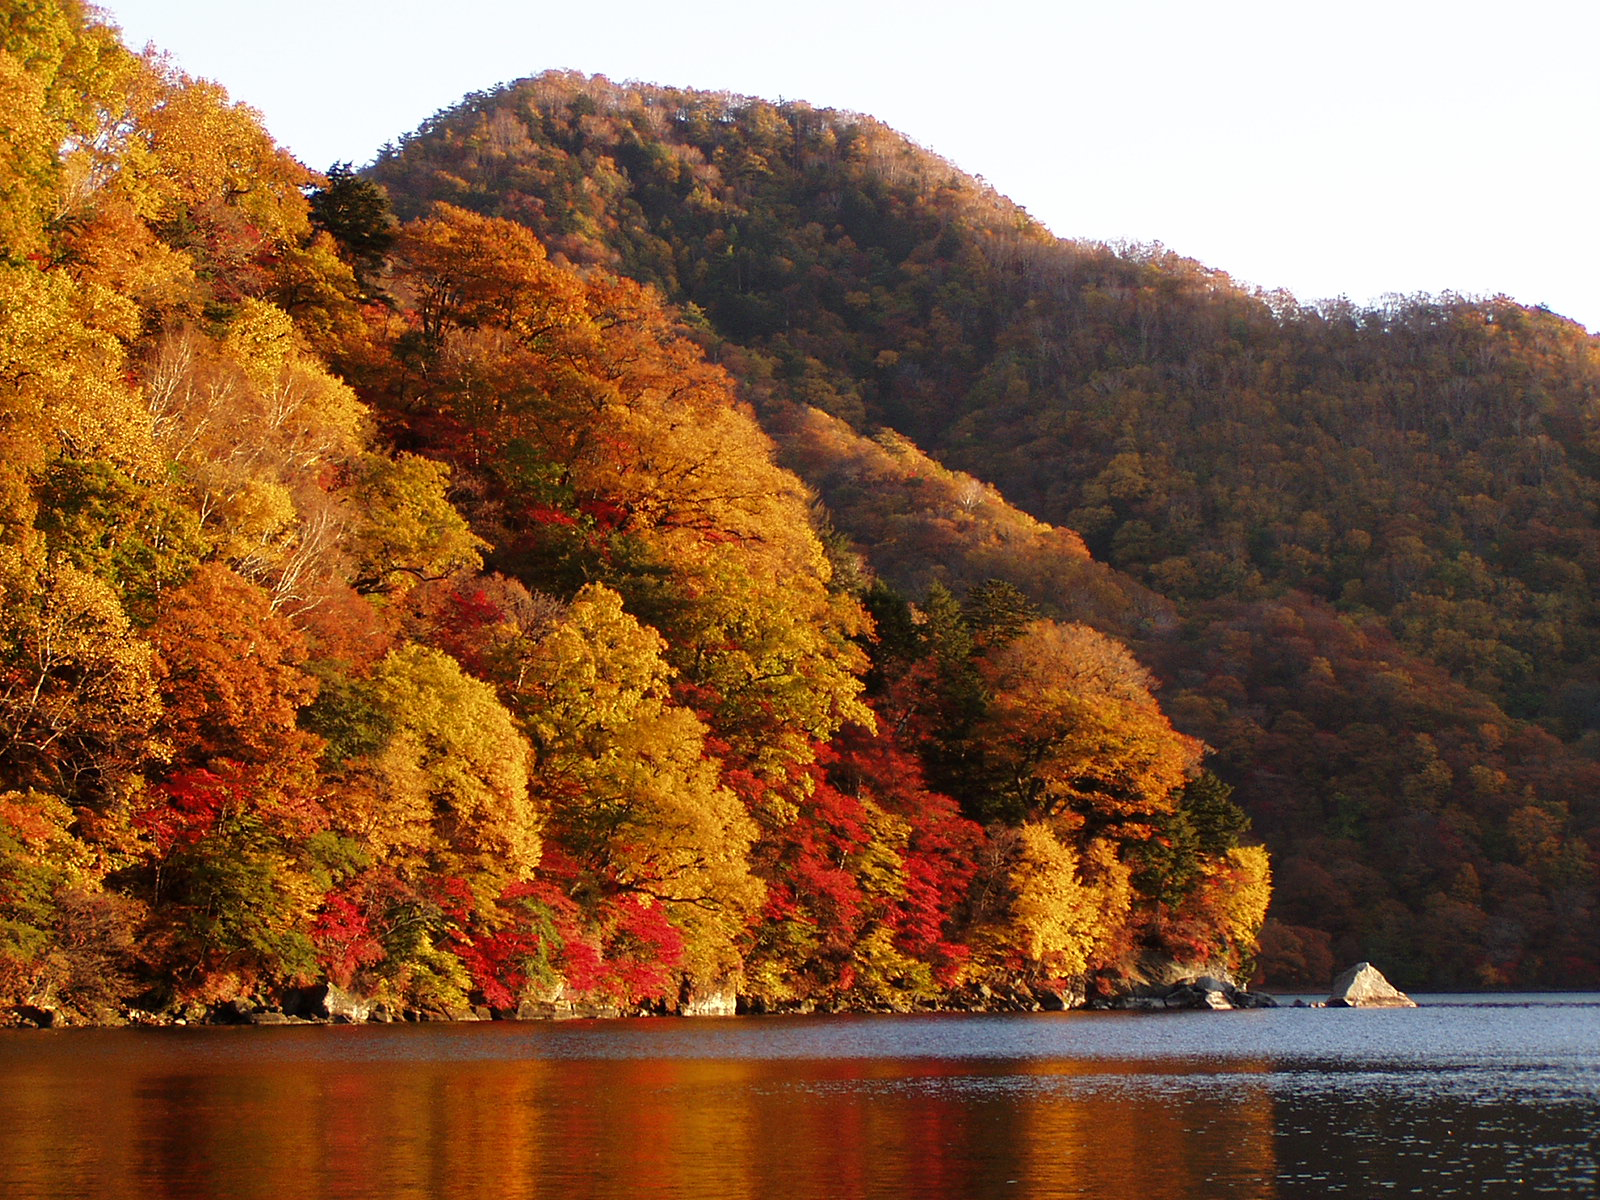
(1362, 149)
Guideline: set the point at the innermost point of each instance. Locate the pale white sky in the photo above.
(1357, 148)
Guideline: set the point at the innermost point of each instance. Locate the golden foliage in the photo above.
(1238, 890)
(452, 783)
(78, 699)
(1067, 904)
(628, 784)
(62, 386)
(1076, 733)
(407, 532)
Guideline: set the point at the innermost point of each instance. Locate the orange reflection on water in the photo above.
(1166, 1133)
(129, 1114)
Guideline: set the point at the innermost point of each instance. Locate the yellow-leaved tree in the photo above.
(633, 798)
(62, 388)
(1068, 905)
(1073, 733)
(450, 788)
(78, 698)
(61, 80)
(1235, 894)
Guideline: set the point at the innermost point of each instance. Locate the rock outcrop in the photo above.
(707, 1004)
(1202, 992)
(327, 1002)
(1363, 986)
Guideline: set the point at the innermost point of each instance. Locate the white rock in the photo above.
(1363, 986)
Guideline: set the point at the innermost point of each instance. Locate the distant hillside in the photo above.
(922, 525)
(1378, 528)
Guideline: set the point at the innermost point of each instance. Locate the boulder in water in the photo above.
(1363, 986)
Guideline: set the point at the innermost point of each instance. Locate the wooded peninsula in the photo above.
(631, 548)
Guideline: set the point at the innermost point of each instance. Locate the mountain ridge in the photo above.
(1420, 473)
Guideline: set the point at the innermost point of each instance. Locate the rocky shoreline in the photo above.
(1362, 986)
(326, 1004)
(1203, 992)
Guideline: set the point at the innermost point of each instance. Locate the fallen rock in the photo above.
(552, 1010)
(418, 1016)
(1254, 1000)
(1363, 986)
(1205, 992)
(1141, 1003)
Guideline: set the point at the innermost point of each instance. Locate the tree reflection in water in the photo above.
(755, 1110)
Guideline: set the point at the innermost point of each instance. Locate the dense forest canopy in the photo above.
(417, 606)
(1359, 545)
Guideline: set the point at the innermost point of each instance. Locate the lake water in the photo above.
(1462, 1097)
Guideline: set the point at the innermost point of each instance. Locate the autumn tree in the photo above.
(1074, 733)
(634, 800)
(78, 692)
(451, 784)
(232, 678)
(1068, 906)
(407, 532)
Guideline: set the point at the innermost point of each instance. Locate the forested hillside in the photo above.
(1359, 546)
(402, 607)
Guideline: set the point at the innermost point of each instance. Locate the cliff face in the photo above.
(1376, 528)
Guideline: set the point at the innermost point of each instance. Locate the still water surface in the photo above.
(1459, 1098)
